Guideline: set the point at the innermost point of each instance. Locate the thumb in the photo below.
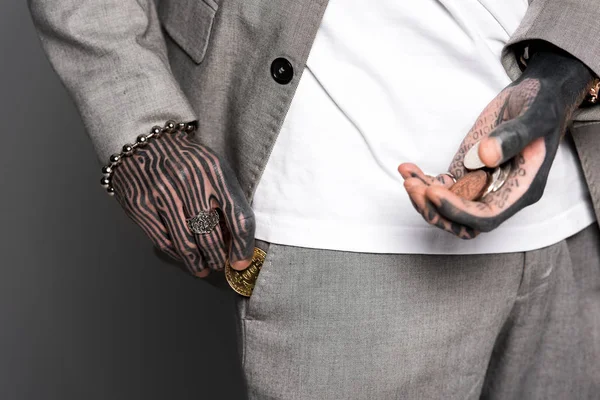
(506, 141)
(241, 264)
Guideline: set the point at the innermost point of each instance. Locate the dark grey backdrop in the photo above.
(87, 309)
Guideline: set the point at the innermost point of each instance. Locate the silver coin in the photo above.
(472, 160)
(499, 177)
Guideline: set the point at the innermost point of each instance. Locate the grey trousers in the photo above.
(325, 324)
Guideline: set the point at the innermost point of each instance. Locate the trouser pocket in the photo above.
(243, 303)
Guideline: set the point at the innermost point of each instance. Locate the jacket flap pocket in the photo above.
(189, 23)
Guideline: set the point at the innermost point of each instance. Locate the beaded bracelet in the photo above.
(142, 140)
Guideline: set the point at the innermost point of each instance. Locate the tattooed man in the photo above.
(321, 127)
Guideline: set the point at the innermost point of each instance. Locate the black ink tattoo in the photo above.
(174, 178)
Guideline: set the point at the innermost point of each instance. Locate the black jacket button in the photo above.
(282, 71)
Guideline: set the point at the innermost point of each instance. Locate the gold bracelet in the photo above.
(592, 96)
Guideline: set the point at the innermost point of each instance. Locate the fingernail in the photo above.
(490, 152)
(401, 172)
(241, 264)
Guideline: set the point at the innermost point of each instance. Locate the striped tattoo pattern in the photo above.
(172, 179)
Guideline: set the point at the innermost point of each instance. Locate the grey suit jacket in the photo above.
(130, 65)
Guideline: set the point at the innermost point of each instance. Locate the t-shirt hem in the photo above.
(336, 235)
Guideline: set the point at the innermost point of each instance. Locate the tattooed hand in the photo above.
(172, 179)
(524, 123)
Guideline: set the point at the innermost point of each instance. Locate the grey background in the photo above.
(87, 308)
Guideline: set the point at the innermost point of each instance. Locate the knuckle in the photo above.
(247, 221)
(545, 121)
(184, 172)
(516, 135)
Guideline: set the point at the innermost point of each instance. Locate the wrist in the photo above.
(171, 127)
(559, 71)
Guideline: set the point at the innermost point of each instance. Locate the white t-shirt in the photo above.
(388, 82)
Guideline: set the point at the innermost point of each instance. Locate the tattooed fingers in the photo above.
(510, 138)
(212, 246)
(138, 204)
(173, 216)
(416, 184)
(523, 188)
(239, 218)
(522, 125)
(173, 179)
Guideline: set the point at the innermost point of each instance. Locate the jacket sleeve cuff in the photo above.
(572, 26)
